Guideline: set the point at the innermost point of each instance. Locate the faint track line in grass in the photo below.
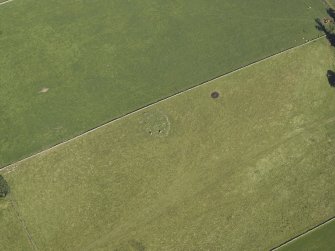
(10, 167)
(22, 223)
(286, 139)
(329, 4)
(8, 1)
(310, 230)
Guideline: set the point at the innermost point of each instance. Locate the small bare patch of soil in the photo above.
(44, 90)
(327, 20)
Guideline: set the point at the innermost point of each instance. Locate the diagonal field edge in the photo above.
(12, 165)
(308, 231)
(329, 4)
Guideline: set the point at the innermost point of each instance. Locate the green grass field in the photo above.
(246, 171)
(322, 239)
(12, 237)
(68, 66)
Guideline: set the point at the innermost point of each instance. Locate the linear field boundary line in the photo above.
(329, 4)
(8, 1)
(12, 165)
(308, 231)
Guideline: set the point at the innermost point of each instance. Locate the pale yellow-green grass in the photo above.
(246, 171)
(12, 235)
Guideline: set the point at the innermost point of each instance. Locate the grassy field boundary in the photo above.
(308, 231)
(329, 4)
(10, 167)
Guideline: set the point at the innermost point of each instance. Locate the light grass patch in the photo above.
(155, 123)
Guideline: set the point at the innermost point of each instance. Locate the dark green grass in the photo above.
(102, 59)
(321, 239)
(246, 171)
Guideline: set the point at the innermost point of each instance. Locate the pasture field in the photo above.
(320, 239)
(245, 171)
(13, 236)
(69, 66)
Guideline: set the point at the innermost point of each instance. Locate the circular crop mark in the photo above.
(155, 123)
(215, 94)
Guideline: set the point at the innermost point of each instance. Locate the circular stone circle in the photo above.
(215, 94)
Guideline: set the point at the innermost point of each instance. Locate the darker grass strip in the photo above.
(303, 233)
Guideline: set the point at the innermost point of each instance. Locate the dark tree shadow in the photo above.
(327, 26)
(331, 13)
(321, 27)
(331, 78)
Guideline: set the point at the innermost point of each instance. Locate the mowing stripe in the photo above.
(308, 231)
(10, 167)
(8, 1)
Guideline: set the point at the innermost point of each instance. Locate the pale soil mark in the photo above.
(8, 1)
(44, 90)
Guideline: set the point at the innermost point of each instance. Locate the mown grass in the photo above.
(246, 171)
(102, 59)
(320, 239)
